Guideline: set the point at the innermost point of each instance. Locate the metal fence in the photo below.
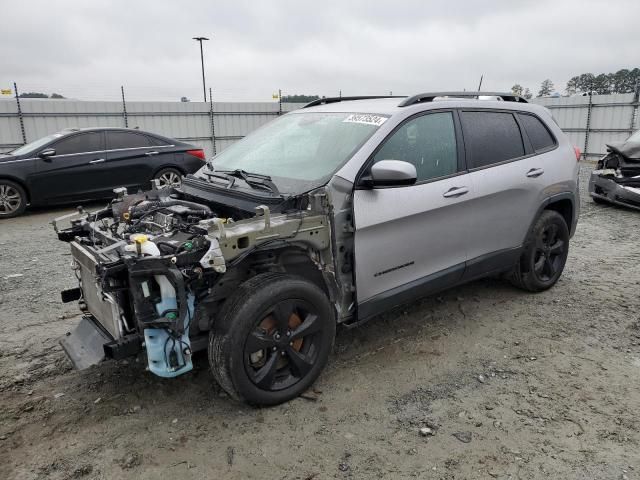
(591, 122)
(212, 125)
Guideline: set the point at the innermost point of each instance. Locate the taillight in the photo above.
(578, 153)
(197, 153)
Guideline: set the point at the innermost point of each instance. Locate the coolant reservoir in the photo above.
(160, 346)
(142, 245)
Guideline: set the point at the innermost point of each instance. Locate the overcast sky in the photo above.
(87, 49)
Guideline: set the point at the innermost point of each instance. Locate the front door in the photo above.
(74, 172)
(412, 240)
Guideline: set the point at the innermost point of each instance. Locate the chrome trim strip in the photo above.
(88, 153)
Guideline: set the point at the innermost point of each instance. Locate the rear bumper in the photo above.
(609, 190)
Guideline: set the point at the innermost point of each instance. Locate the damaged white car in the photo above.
(329, 215)
(616, 178)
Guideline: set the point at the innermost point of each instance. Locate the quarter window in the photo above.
(491, 137)
(539, 135)
(79, 143)
(428, 141)
(117, 140)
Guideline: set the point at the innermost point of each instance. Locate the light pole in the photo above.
(204, 89)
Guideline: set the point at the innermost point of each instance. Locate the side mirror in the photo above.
(46, 153)
(391, 173)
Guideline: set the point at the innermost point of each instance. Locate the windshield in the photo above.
(300, 150)
(635, 137)
(36, 144)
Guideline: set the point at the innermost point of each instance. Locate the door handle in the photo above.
(97, 160)
(149, 154)
(455, 192)
(535, 172)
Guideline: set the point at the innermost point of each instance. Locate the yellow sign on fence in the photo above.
(275, 96)
(5, 91)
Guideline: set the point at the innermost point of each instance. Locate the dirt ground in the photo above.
(513, 385)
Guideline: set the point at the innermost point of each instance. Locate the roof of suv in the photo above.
(394, 105)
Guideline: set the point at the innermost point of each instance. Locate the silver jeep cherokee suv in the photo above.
(329, 215)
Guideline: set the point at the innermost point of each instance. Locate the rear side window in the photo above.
(117, 140)
(79, 143)
(428, 141)
(491, 137)
(537, 132)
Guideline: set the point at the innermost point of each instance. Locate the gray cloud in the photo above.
(88, 49)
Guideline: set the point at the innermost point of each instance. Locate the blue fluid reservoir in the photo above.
(163, 350)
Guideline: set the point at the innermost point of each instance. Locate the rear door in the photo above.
(412, 239)
(131, 158)
(508, 180)
(73, 172)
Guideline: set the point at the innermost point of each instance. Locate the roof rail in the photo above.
(429, 97)
(327, 100)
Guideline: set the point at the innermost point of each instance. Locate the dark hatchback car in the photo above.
(84, 164)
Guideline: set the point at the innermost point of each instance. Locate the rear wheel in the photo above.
(169, 178)
(13, 199)
(599, 201)
(545, 254)
(272, 339)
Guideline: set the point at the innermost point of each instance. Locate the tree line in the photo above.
(622, 81)
(39, 95)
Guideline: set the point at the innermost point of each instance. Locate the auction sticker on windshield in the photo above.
(366, 119)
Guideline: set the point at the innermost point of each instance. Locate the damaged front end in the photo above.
(616, 178)
(154, 269)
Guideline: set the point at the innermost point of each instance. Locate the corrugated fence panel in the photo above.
(611, 117)
(189, 121)
(10, 135)
(608, 119)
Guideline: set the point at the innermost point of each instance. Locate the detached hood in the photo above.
(629, 150)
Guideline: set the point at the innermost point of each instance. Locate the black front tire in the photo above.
(545, 254)
(277, 370)
(13, 199)
(599, 201)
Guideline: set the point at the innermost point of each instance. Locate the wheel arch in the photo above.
(294, 260)
(564, 204)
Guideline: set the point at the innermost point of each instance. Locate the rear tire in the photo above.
(13, 199)
(169, 178)
(545, 254)
(599, 201)
(272, 339)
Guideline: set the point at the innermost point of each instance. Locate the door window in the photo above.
(117, 140)
(79, 143)
(428, 141)
(539, 135)
(491, 137)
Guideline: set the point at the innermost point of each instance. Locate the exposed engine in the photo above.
(150, 265)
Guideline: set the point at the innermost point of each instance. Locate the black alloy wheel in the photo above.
(550, 253)
(284, 345)
(272, 338)
(545, 254)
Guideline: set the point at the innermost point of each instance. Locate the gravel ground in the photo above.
(512, 385)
